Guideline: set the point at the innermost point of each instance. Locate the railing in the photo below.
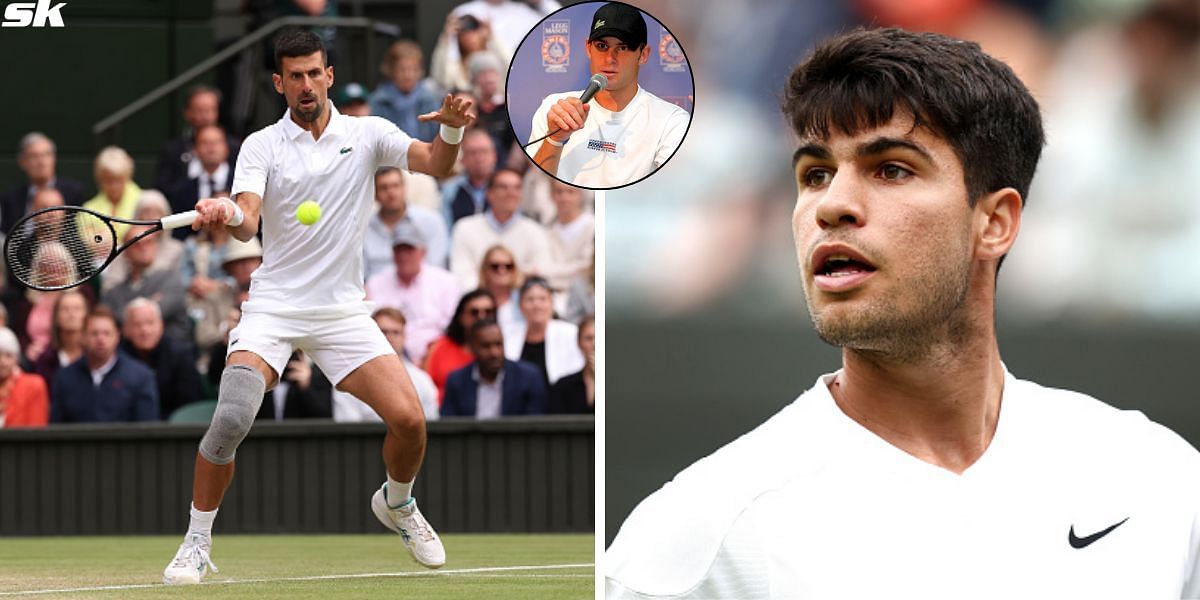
(518, 474)
(115, 119)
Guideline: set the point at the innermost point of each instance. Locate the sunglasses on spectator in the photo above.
(497, 267)
(481, 312)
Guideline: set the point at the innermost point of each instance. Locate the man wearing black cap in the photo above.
(627, 132)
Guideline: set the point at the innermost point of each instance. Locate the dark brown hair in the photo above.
(976, 103)
(293, 42)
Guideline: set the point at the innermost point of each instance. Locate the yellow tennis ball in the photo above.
(308, 212)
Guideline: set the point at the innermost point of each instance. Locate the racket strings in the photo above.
(57, 249)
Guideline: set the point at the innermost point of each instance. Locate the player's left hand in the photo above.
(454, 112)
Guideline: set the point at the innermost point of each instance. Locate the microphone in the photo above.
(597, 83)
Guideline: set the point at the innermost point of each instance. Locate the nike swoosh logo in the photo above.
(1085, 541)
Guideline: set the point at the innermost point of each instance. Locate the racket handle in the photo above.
(183, 219)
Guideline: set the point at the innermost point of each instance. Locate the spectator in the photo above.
(352, 100)
(151, 206)
(24, 401)
(466, 194)
(576, 393)
(177, 159)
(464, 37)
(500, 275)
(213, 175)
(487, 73)
(493, 386)
(508, 19)
(209, 300)
(172, 360)
(472, 236)
(66, 335)
(406, 94)
(37, 158)
(118, 193)
(303, 392)
(572, 235)
(451, 352)
(581, 296)
(424, 293)
(390, 195)
(549, 344)
(105, 386)
(392, 323)
(164, 287)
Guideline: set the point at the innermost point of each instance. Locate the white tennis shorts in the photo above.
(338, 343)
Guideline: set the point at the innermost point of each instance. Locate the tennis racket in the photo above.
(61, 247)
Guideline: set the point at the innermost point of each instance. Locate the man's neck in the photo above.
(317, 127)
(211, 170)
(941, 408)
(391, 216)
(95, 362)
(566, 218)
(535, 332)
(407, 281)
(40, 183)
(476, 182)
(616, 100)
(503, 219)
(486, 377)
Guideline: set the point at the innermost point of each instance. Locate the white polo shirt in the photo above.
(813, 505)
(615, 148)
(317, 266)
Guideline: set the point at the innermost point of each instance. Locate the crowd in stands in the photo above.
(483, 283)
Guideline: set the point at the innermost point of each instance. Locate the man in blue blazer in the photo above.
(492, 386)
(105, 385)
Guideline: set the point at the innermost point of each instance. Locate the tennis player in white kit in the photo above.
(922, 468)
(308, 293)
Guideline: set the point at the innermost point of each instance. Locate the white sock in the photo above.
(202, 521)
(398, 493)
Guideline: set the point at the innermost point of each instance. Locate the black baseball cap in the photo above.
(621, 21)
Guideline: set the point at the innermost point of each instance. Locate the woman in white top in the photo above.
(543, 341)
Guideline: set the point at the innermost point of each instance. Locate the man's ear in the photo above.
(278, 81)
(997, 221)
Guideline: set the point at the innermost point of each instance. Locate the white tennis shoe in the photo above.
(191, 562)
(420, 539)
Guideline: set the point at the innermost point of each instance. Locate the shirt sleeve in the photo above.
(676, 127)
(391, 144)
(539, 125)
(253, 165)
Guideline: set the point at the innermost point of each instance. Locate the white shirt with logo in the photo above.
(317, 266)
(616, 148)
(1072, 499)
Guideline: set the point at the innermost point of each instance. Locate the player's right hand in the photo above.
(568, 116)
(213, 213)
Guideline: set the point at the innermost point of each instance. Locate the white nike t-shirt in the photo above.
(812, 505)
(317, 266)
(615, 148)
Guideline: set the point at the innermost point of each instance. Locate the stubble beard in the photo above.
(312, 115)
(934, 317)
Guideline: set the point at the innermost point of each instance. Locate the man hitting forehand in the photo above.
(308, 293)
(922, 468)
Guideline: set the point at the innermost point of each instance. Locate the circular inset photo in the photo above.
(600, 95)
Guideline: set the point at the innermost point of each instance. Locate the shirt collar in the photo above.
(497, 225)
(106, 367)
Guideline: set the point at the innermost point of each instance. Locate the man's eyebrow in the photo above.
(816, 151)
(884, 144)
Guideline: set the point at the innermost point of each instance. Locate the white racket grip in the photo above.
(183, 219)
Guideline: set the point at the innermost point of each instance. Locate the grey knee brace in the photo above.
(239, 398)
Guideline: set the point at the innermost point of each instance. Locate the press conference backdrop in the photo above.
(681, 388)
(552, 60)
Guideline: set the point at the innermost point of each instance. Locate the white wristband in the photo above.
(451, 135)
(554, 143)
(238, 215)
